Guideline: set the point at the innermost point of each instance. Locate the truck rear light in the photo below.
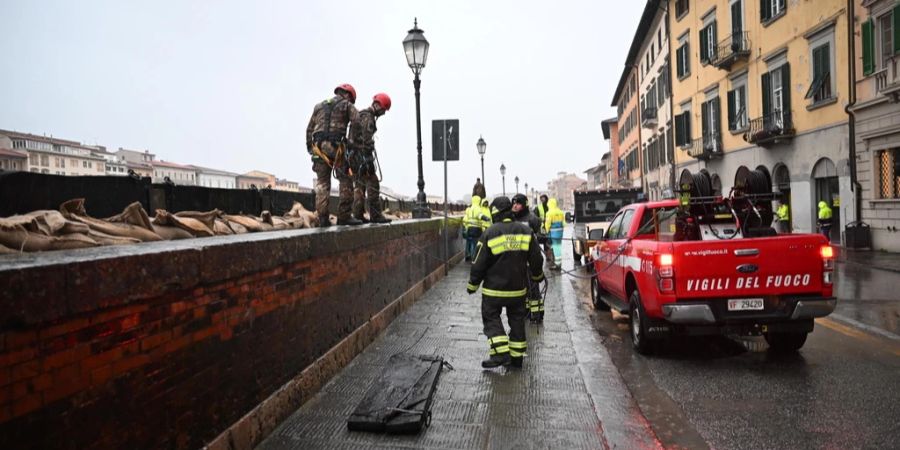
(828, 264)
(666, 284)
(665, 259)
(827, 277)
(827, 252)
(665, 273)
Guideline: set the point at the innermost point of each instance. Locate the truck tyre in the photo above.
(637, 325)
(785, 342)
(596, 295)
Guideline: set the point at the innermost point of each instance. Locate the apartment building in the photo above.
(763, 84)
(628, 126)
(610, 128)
(656, 136)
(562, 187)
(55, 156)
(12, 160)
(176, 173)
(877, 118)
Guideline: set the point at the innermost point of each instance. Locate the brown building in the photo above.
(13, 161)
(562, 187)
(55, 156)
(246, 181)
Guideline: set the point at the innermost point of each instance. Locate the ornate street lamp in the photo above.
(416, 47)
(482, 147)
(503, 174)
(517, 184)
(526, 188)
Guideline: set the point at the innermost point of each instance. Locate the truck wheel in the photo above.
(638, 326)
(785, 342)
(596, 293)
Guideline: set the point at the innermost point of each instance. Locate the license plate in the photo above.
(746, 304)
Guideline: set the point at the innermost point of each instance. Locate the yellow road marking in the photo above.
(852, 332)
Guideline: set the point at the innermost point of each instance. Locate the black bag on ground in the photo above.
(399, 401)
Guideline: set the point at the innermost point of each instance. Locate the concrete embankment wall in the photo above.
(206, 341)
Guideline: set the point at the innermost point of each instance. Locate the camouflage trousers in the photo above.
(323, 184)
(366, 194)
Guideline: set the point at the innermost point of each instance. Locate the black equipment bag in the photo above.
(399, 401)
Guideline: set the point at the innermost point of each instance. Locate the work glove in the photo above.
(471, 289)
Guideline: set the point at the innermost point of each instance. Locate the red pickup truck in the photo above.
(677, 272)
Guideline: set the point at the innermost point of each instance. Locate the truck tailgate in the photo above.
(758, 267)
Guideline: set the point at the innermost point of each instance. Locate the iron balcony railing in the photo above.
(730, 50)
(707, 147)
(648, 116)
(771, 129)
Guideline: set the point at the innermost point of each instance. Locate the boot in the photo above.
(349, 221)
(502, 359)
(381, 219)
(324, 222)
(537, 318)
(515, 362)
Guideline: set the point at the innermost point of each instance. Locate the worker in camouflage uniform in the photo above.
(366, 191)
(326, 140)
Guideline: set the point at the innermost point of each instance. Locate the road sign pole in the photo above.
(446, 221)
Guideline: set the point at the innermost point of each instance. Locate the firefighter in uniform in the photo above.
(362, 161)
(541, 212)
(326, 137)
(507, 257)
(533, 301)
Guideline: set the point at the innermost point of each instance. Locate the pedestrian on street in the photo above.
(506, 258)
(541, 212)
(326, 140)
(783, 217)
(366, 185)
(824, 221)
(478, 189)
(486, 221)
(533, 301)
(473, 224)
(554, 224)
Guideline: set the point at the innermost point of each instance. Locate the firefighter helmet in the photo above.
(383, 100)
(348, 88)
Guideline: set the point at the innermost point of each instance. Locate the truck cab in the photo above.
(594, 210)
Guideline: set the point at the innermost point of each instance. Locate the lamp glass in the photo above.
(416, 48)
(502, 169)
(481, 145)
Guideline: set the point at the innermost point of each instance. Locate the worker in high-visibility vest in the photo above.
(474, 226)
(554, 224)
(783, 217)
(824, 221)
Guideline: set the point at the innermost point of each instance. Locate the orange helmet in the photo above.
(383, 100)
(348, 88)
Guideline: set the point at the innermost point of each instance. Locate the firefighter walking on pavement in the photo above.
(326, 141)
(533, 301)
(363, 159)
(506, 258)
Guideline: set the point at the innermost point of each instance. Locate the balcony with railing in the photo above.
(887, 80)
(771, 129)
(649, 116)
(731, 50)
(707, 147)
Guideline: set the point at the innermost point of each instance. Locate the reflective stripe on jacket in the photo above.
(508, 253)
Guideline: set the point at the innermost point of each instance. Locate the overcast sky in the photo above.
(231, 84)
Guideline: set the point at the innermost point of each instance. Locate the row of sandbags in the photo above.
(71, 227)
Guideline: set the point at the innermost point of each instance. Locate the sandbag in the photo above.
(208, 218)
(7, 251)
(309, 218)
(18, 238)
(399, 400)
(220, 227)
(170, 233)
(193, 226)
(133, 214)
(74, 210)
(73, 241)
(107, 239)
(251, 224)
(236, 227)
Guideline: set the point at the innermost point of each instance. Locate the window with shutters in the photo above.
(681, 8)
(683, 127)
(888, 168)
(886, 38)
(821, 88)
(711, 125)
(771, 10)
(708, 43)
(738, 119)
(662, 86)
(683, 57)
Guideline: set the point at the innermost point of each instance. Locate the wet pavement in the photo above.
(568, 396)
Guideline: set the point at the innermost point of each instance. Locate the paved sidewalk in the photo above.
(873, 259)
(568, 396)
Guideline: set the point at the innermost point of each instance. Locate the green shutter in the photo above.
(679, 129)
(868, 47)
(714, 38)
(767, 94)
(687, 58)
(732, 113)
(687, 127)
(897, 29)
(679, 62)
(704, 44)
(786, 88)
(764, 10)
(717, 116)
(704, 119)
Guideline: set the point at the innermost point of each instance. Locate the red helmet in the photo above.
(383, 100)
(348, 89)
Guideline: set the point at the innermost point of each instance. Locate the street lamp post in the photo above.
(526, 188)
(416, 48)
(517, 184)
(482, 147)
(503, 175)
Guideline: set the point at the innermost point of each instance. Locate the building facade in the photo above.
(176, 173)
(246, 181)
(562, 187)
(877, 117)
(287, 185)
(763, 84)
(12, 160)
(214, 178)
(271, 180)
(55, 156)
(628, 127)
(657, 149)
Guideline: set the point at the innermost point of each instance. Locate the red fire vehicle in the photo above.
(704, 264)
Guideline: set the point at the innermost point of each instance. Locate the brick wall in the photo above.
(165, 345)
